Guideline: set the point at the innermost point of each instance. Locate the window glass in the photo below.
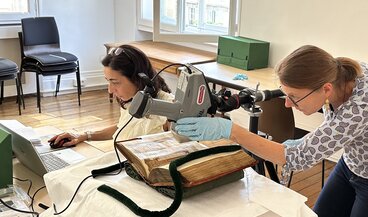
(11, 11)
(13, 6)
(208, 16)
(169, 12)
(147, 9)
(211, 17)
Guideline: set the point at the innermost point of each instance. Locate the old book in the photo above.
(151, 155)
(192, 190)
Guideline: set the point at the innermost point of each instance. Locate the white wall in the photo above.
(338, 26)
(84, 27)
(125, 20)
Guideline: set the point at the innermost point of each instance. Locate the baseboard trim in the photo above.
(61, 92)
(73, 90)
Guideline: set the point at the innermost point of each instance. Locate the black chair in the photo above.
(9, 71)
(41, 53)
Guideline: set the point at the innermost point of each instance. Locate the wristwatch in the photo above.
(89, 135)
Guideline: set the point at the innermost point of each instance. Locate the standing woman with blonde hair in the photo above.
(312, 79)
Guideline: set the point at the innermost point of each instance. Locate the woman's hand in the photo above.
(73, 137)
(293, 142)
(204, 128)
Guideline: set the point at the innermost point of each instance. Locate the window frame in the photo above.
(10, 23)
(168, 36)
(147, 24)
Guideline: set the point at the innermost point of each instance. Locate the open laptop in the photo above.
(35, 153)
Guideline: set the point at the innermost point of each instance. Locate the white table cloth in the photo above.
(254, 195)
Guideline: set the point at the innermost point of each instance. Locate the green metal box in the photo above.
(243, 53)
(6, 159)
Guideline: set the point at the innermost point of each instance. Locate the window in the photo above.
(188, 20)
(169, 14)
(207, 16)
(11, 11)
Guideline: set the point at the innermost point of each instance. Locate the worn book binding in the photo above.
(151, 155)
(178, 170)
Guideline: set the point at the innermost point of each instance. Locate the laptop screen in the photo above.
(6, 163)
(31, 148)
(23, 148)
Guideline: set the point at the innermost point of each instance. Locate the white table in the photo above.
(254, 195)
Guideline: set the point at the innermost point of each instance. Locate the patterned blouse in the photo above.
(346, 127)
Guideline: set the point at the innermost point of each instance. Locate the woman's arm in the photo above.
(264, 148)
(103, 134)
(206, 128)
(99, 135)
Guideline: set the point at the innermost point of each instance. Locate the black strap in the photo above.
(176, 177)
(105, 170)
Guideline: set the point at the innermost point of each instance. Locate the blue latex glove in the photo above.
(240, 77)
(293, 142)
(204, 128)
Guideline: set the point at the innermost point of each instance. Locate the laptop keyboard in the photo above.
(3, 208)
(53, 162)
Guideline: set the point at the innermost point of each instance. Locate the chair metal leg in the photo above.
(21, 88)
(272, 171)
(291, 176)
(2, 92)
(57, 85)
(38, 93)
(79, 84)
(21, 94)
(18, 96)
(111, 97)
(323, 173)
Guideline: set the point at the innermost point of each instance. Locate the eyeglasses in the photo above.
(116, 51)
(299, 100)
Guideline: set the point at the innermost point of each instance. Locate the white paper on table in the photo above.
(68, 155)
(265, 193)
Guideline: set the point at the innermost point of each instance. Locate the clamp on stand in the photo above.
(255, 112)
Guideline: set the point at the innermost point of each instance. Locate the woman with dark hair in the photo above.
(312, 79)
(121, 67)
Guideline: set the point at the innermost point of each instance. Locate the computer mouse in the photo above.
(60, 143)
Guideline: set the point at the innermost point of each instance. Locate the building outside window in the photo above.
(14, 6)
(209, 16)
(12, 11)
(192, 16)
(188, 17)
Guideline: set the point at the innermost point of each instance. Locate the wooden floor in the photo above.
(64, 113)
(97, 112)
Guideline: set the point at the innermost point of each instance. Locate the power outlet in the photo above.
(82, 82)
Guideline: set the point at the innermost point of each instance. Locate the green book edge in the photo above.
(188, 192)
